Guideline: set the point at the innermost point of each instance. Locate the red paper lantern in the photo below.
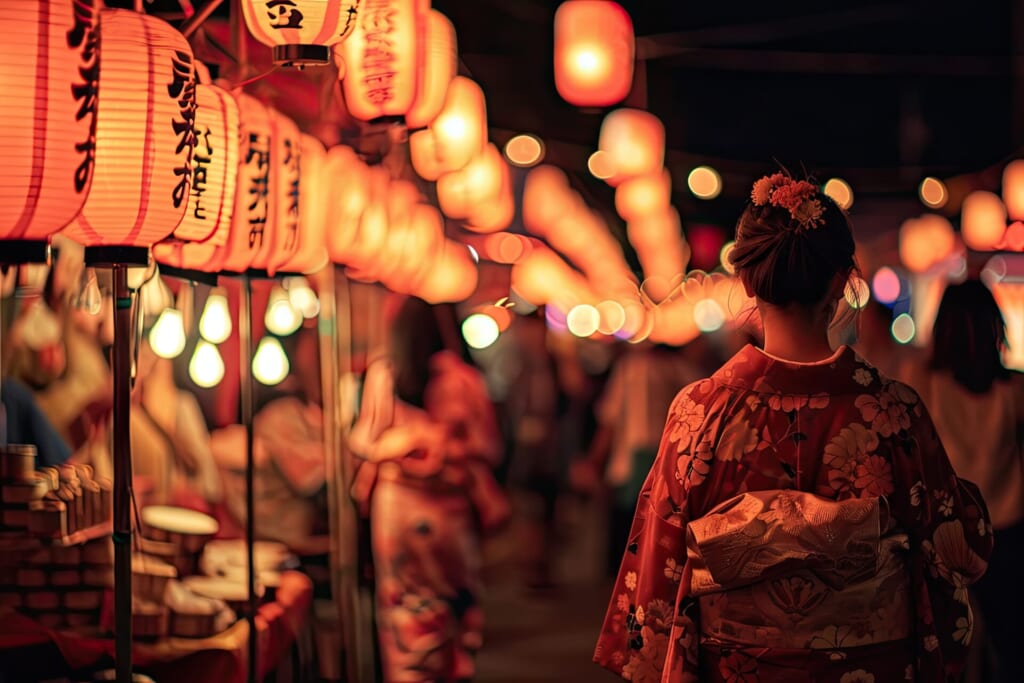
(301, 31)
(594, 52)
(634, 141)
(440, 65)
(281, 240)
(382, 58)
(214, 178)
(145, 134)
(311, 254)
(49, 82)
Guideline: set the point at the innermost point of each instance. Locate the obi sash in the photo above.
(790, 569)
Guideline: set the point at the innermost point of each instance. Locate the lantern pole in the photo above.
(247, 400)
(122, 367)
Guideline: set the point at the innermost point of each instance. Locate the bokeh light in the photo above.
(167, 338)
(708, 315)
(613, 317)
(886, 285)
(583, 320)
(600, 165)
(270, 364)
(215, 323)
(933, 193)
(857, 293)
(840, 192)
(206, 367)
(903, 328)
(480, 330)
(724, 257)
(524, 150)
(704, 182)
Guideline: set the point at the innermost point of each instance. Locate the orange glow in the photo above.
(207, 220)
(983, 221)
(1013, 189)
(460, 129)
(594, 52)
(281, 241)
(347, 193)
(138, 194)
(440, 65)
(479, 182)
(301, 22)
(583, 320)
(674, 323)
(613, 317)
(1014, 238)
(933, 193)
(311, 254)
(600, 165)
(491, 216)
(505, 247)
(634, 141)
(546, 198)
(524, 150)
(382, 59)
(452, 278)
(423, 155)
(643, 195)
(840, 192)
(704, 182)
(46, 181)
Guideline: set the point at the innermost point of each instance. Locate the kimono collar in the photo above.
(754, 370)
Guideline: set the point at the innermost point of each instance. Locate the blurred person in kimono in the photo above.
(801, 521)
(426, 444)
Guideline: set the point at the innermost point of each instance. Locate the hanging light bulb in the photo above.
(302, 297)
(167, 338)
(215, 323)
(281, 318)
(270, 364)
(206, 367)
(91, 300)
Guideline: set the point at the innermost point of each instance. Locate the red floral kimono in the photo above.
(801, 523)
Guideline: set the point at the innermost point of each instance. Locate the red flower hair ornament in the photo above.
(798, 197)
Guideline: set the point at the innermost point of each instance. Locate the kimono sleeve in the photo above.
(951, 540)
(649, 619)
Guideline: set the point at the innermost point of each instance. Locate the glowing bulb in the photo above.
(857, 293)
(704, 182)
(840, 192)
(302, 297)
(886, 284)
(281, 317)
(524, 150)
(903, 328)
(933, 193)
(167, 338)
(708, 315)
(453, 127)
(206, 367)
(215, 322)
(270, 365)
(600, 165)
(583, 320)
(137, 277)
(91, 300)
(480, 330)
(587, 61)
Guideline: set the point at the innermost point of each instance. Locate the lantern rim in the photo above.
(301, 56)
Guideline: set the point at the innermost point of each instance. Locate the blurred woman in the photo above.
(978, 408)
(426, 441)
(801, 521)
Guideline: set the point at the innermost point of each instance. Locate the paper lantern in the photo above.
(1013, 189)
(547, 197)
(643, 195)
(423, 155)
(252, 217)
(347, 192)
(425, 243)
(479, 182)
(311, 254)
(925, 241)
(440, 66)
(983, 220)
(453, 277)
(281, 239)
(594, 52)
(145, 135)
(382, 59)
(460, 129)
(634, 141)
(211, 201)
(497, 214)
(49, 81)
(373, 225)
(301, 31)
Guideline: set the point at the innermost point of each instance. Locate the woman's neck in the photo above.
(795, 334)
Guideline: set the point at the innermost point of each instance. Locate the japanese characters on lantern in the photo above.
(440, 66)
(301, 31)
(49, 84)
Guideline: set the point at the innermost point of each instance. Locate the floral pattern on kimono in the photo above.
(836, 429)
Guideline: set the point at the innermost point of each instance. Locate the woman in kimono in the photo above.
(426, 443)
(801, 521)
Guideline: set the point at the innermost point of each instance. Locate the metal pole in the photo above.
(246, 397)
(122, 366)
